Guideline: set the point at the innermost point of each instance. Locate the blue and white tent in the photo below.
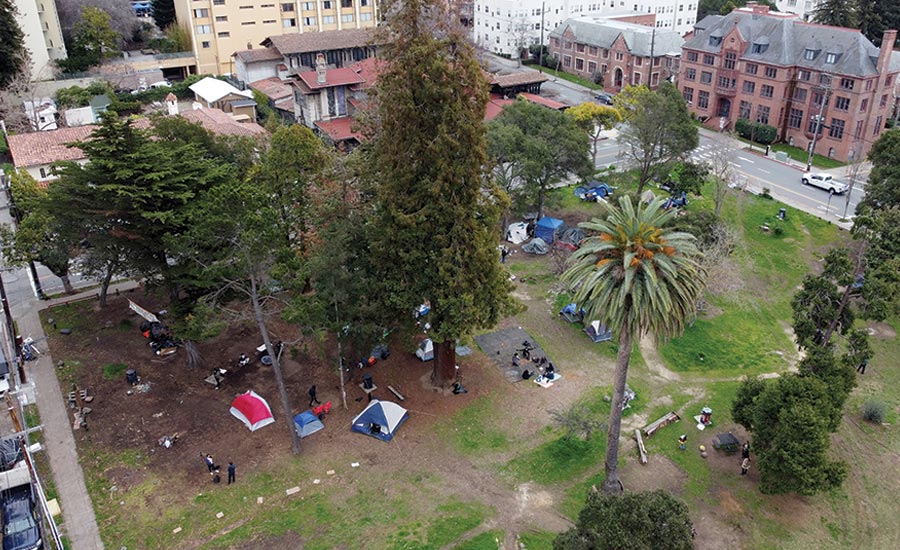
(306, 424)
(380, 419)
(546, 229)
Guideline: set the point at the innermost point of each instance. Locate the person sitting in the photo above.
(550, 371)
(526, 374)
(243, 360)
(515, 359)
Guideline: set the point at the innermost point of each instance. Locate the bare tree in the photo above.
(120, 12)
(721, 174)
(521, 36)
(853, 170)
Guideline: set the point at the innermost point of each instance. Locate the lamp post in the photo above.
(541, 45)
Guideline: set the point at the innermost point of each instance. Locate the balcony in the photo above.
(726, 91)
(726, 83)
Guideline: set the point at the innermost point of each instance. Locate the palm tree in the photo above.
(636, 276)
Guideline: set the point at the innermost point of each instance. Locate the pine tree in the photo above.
(163, 12)
(437, 211)
(838, 13)
(12, 44)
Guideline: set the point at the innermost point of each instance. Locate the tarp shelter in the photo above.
(536, 246)
(597, 332)
(572, 314)
(306, 423)
(546, 228)
(252, 410)
(380, 419)
(517, 233)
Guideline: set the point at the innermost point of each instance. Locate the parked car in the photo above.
(21, 530)
(826, 182)
(604, 98)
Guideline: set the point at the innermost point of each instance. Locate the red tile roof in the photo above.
(517, 79)
(544, 101)
(255, 56)
(333, 77)
(339, 129)
(274, 88)
(319, 41)
(221, 123)
(38, 148)
(494, 107)
(368, 70)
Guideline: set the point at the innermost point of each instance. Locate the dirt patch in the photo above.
(654, 362)
(882, 330)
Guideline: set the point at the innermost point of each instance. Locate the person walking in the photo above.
(231, 469)
(745, 450)
(862, 366)
(745, 466)
(312, 396)
(210, 464)
(682, 442)
(504, 252)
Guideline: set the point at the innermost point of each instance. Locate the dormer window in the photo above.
(831, 58)
(715, 40)
(809, 54)
(760, 46)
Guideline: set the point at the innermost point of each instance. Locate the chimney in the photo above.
(884, 55)
(758, 9)
(321, 71)
(172, 104)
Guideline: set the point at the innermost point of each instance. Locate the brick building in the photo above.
(779, 70)
(619, 51)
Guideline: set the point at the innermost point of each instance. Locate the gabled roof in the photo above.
(786, 40)
(516, 79)
(333, 77)
(258, 55)
(39, 148)
(640, 39)
(213, 89)
(339, 129)
(494, 107)
(274, 88)
(368, 70)
(307, 42)
(221, 123)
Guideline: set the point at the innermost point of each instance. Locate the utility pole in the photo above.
(812, 146)
(11, 334)
(541, 45)
(652, 47)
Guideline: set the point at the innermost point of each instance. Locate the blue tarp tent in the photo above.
(572, 314)
(306, 424)
(380, 419)
(546, 229)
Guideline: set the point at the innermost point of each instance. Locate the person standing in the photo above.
(210, 464)
(745, 450)
(231, 469)
(504, 252)
(862, 366)
(682, 441)
(312, 396)
(745, 466)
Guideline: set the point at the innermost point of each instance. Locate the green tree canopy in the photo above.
(437, 213)
(658, 129)
(883, 186)
(838, 13)
(93, 40)
(594, 119)
(632, 521)
(636, 275)
(12, 44)
(163, 13)
(543, 144)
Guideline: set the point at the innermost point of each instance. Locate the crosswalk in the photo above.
(703, 153)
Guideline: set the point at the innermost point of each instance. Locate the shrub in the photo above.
(114, 371)
(755, 131)
(874, 411)
(766, 193)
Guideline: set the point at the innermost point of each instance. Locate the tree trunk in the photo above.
(541, 191)
(612, 485)
(104, 284)
(67, 284)
(276, 367)
(340, 348)
(444, 372)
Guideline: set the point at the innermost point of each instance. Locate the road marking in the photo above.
(821, 205)
(764, 171)
(746, 160)
(736, 165)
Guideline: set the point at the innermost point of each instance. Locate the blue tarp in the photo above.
(380, 419)
(306, 424)
(546, 229)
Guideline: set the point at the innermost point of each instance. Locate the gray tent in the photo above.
(536, 246)
(572, 235)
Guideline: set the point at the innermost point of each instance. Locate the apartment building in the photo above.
(503, 26)
(802, 78)
(618, 53)
(219, 28)
(39, 22)
(803, 8)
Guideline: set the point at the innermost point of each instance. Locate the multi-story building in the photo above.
(219, 28)
(43, 36)
(802, 78)
(803, 8)
(616, 53)
(505, 26)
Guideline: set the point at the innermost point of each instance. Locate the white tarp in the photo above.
(517, 233)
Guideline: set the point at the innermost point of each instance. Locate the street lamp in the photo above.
(828, 206)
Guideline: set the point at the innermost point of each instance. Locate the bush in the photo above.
(874, 411)
(755, 131)
(114, 371)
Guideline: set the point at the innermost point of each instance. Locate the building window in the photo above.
(593, 50)
(308, 6)
(863, 105)
(579, 48)
(690, 74)
(762, 114)
(809, 54)
(327, 5)
(225, 34)
(688, 94)
(346, 3)
(879, 124)
(703, 100)
(692, 57)
(795, 118)
(347, 18)
(218, 2)
(329, 20)
(858, 131)
(204, 45)
(287, 7)
(579, 64)
(204, 29)
(201, 13)
(247, 23)
(620, 56)
(245, 7)
(638, 61)
(567, 61)
(705, 77)
(837, 128)
(715, 41)
(221, 18)
(847, 83)
(888, 80)
(730, 59)
(831, 58)
(592, 67)
(290, 22)
(759, 48)
(751, 68)
(884, 100)
(766, 91)
(799, 94)
(708, 59)
(365, 16)
(268, 21)
(43, 172)
(814, 125)
(603, 68)
(749, 87)
(771, 72)
(605, 54)
(744, 109)
(725, 82)
(567, 45)
(842, 103)
(804, 76)
(818, 97)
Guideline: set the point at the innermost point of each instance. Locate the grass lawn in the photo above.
(570, 77)
(802, 155)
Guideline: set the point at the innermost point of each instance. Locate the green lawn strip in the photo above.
(74, 316)
(483, 541)
(570, 77)
(537, 540)
(448, 522)
(474, 429)
(558, 460)
(41, 459)
(802, 155)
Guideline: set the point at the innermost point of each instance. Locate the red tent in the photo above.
(252, 410)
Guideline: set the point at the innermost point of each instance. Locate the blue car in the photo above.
(21, 530)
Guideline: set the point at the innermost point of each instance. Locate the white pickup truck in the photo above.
(826, 182)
